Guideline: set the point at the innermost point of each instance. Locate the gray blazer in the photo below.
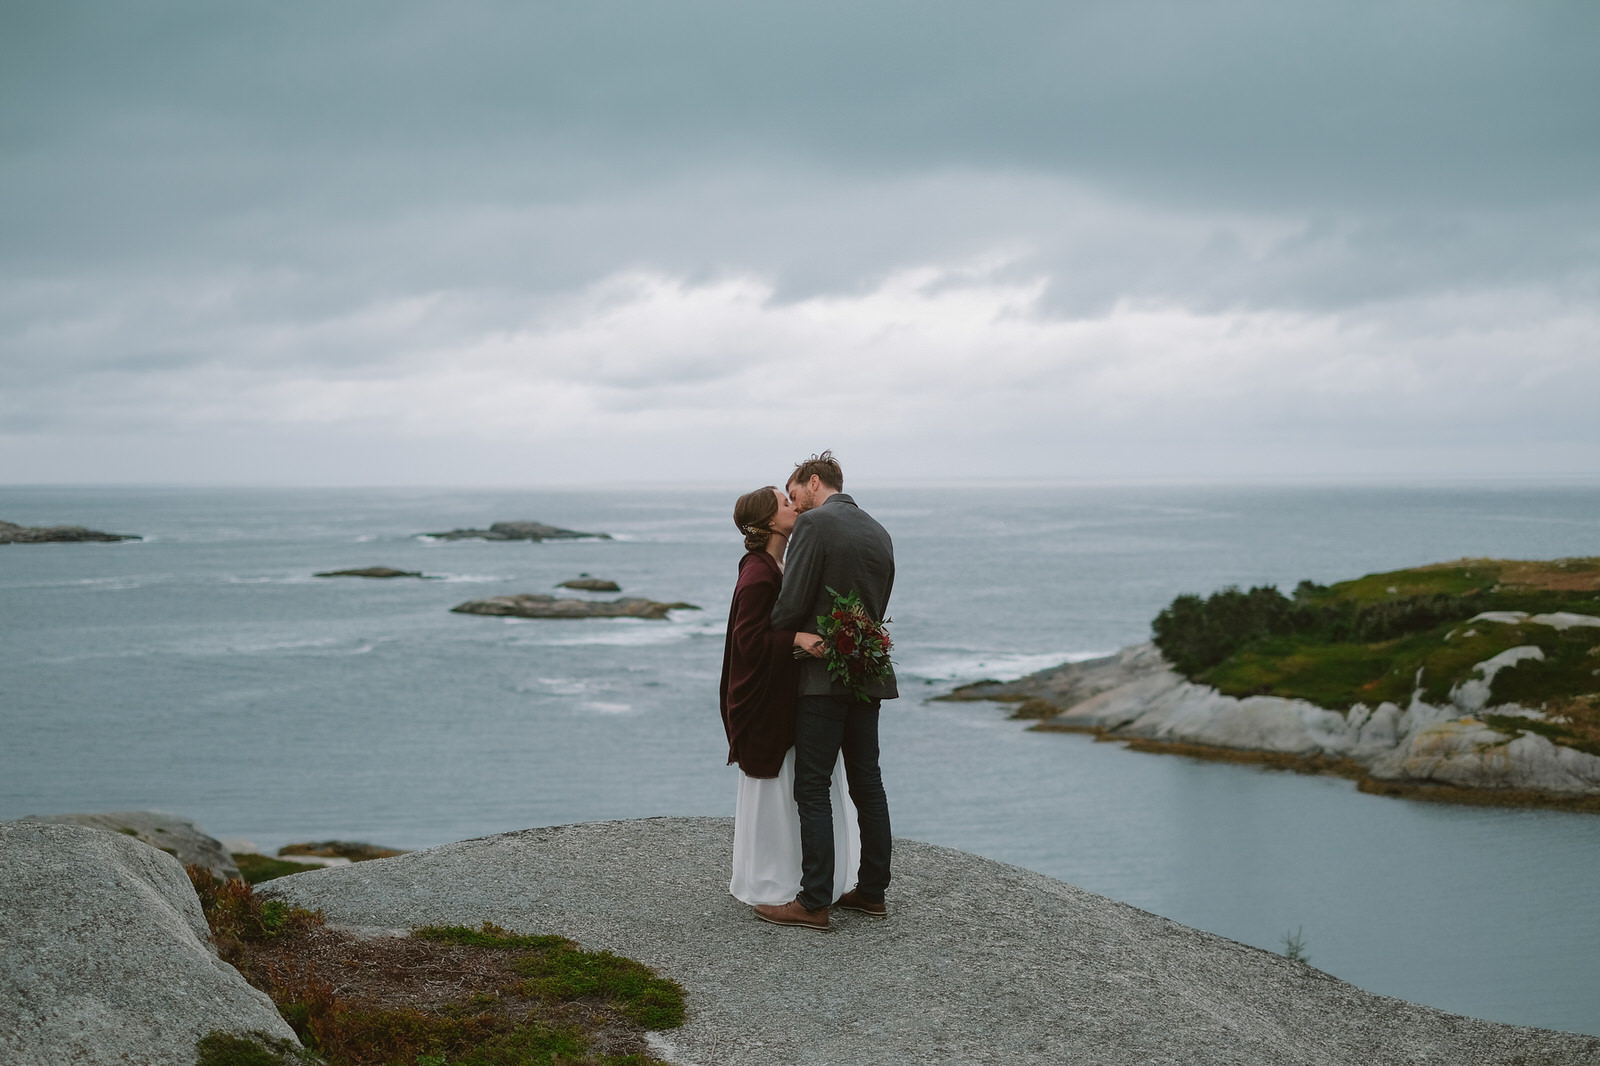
(838, 546)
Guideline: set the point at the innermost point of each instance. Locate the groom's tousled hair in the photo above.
(825, 466)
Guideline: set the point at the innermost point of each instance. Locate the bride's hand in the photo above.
(809, 643)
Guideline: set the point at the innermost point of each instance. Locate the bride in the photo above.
(759, 681)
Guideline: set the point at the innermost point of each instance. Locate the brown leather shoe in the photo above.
(793, 913)
(852, 901)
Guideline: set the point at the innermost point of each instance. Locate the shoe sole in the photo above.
(880, 912)
(795, 925)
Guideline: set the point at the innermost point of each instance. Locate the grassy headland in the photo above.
(1385, 636)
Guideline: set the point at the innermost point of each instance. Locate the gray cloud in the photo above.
(276, 224)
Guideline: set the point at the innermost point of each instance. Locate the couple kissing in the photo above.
(811, 826)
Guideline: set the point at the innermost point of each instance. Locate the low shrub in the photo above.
(505, 999)
(238, 917)
(1197, 634)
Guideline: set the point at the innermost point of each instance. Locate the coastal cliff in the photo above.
(1424, 750)
(1476, 682)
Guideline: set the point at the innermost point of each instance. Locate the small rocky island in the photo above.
(11, 533)
(534, 531)
(1475, 681)
(585, 583)
(534, 605)
(373, 571)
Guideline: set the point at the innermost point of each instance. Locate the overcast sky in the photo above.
(477, 243)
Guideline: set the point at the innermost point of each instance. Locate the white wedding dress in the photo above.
(766, 837)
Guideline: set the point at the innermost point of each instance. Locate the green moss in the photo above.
(258, 868)
(1567, 668)
(487, 935)
(475, 1031)
(1329, 675)
(350, 1036)
(566, 973)
(218, 1048)
(558, 969)
(1406, 584)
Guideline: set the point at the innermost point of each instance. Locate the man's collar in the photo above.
(840, 496)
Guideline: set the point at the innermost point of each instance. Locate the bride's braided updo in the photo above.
(753, 514)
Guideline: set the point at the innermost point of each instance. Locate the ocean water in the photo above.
(204, 671)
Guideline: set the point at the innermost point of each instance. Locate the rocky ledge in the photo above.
(372, 571)
(11, 533)
(533, 605)
(178, 837)
(534, 531)
(978, 962)
(1430, 750)
(105, 958)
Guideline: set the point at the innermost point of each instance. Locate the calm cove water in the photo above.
(205, 671)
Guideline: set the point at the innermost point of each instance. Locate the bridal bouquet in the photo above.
(856, 647)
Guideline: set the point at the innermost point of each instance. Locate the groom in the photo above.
(836, 545)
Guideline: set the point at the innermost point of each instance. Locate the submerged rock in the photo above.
(105, 956)
(354, 850)
(178, 837)
(371, 571)
(533, 605)
(978, 962)
(534, 531)
(11, 533)
(590, 584)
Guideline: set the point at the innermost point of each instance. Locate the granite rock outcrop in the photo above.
(591, 584)
(11, 533)
(178, 837)
(1134, 695)
(977, 962)
(534, 531)
(534, 605)
(105, 956)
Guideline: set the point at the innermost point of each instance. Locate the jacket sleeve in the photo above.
(754, 640)
(802, 580)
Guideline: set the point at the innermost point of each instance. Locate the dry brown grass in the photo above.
(1581, 574)
(390, 999)
(1033, 707)
(1580, 715)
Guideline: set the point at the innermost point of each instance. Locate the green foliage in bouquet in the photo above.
(856, 645)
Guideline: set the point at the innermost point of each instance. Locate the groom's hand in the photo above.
(809, 643)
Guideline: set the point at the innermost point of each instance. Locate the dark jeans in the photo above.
(825, 726)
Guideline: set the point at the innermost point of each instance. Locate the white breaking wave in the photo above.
(997, 666)
(625, 632)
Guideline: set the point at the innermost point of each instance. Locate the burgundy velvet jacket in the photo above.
(759, 673)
